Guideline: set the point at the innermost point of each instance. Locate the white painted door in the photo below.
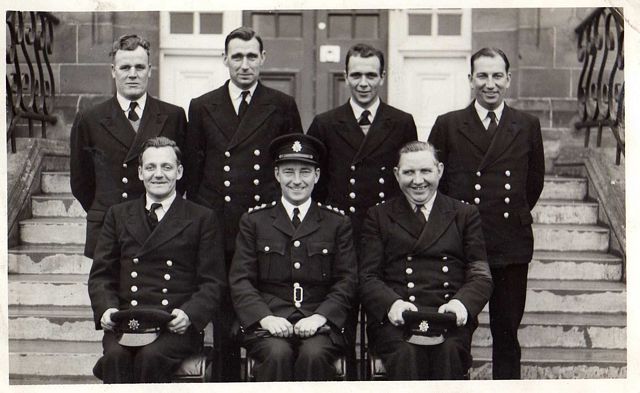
(429, 51)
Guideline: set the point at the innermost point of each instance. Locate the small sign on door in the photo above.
(329, 53)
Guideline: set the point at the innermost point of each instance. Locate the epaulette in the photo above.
(331, 209)
(261, 207)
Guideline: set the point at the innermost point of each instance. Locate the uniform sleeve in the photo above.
(477, 287)
(293, 117)
(181, 133)
(438, 139)
(210, 273)
(535, 176)
(341, 295)
(411, 130)
(194, 151)
(375, 295)
(320, 190)
(82, 179)
(105, 271)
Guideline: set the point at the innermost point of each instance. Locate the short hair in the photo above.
(130, 42)
(158, 142)
(416, 146)
(364, 50)
(245, 34)
(490, 52)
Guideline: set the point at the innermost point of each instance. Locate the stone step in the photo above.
(550, 265)
(557, 211)
(52, 323)
(52, 358)
(48, 289)
(570, 237)
(558, 363)
(56, 183)
(48, 259)
(567, 188)
(565, 330)
(56, 205)
(56, 230)
(16, 379)
(576, 296)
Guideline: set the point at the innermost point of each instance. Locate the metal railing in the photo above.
(601, 84)
(30, 80)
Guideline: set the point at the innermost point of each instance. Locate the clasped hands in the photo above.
(281, 327)
(178, 324)
(453, 306)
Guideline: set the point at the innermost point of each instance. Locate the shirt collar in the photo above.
(125, 102)
(235, 92)
(288, 206)
(357, 109)
(428, 205)
(482, 111)
(166, 203)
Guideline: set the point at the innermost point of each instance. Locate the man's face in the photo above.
(131, 71)
(159, 172)
(490, 81)
(418, 174)
(243, 59)
(297, 180)
(364, 79)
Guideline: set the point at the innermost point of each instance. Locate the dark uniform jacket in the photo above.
(503, 177)
(228, 166)
(272, 257)
(358, 170)
(426, 265)
(178, 265)
(104, 156)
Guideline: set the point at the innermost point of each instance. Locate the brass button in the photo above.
(444, 258)
(125, 195)
(226, 168)
(476, 200)
(352, 195)
(478, 174)
(296, 265)
(227, 198)
(136, 260)
(409, 258)
(409, 270)
(165, 302)
(412, 298)
(507, 200)
(124, 165)
(256, 182)
(256, 167)
(256, 152)
(352, 181)
(447, 296)
(381, 181)
(165, 290)
(446, 284)
(125, 180)
(445, 269)
(256, 197)
(169, 263)
(352, 209)
(134, 288)
(296, 284)
(296, 243)
(298, 304)
(507, 173)
(134, 274)
(477, 187)
(325, 251)
(227, 154)
(227, 183)
(353, 167)
(381, 195)
(410, 285)
(507, 186)
(506, 215)
(167, 277)
(134, 302)
(266, 248)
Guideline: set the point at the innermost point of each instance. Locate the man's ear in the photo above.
(140, 173)
(180, 171)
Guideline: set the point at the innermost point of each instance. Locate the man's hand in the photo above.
(105, 321)
(277, 326)
(397, 308)
(307, 327)
(455, 306)
(179, 323)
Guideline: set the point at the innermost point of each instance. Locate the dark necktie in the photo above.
(493, 125)
(296, 217)
(244, 105)
(364, 119)
(133, 116)
(153, 218)
(420, 215)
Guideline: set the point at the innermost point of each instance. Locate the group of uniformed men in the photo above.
(357, 211)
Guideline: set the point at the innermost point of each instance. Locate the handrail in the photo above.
(601, 83)
(29, 80)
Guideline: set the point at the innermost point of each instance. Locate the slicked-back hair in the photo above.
(130, 42)
(416, 146)
(158, 142)
(245, 34)
(490, 52)
(364, 50)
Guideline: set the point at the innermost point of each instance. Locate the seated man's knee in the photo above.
(274, 349)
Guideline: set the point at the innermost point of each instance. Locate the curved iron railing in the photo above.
(601, 84)
(30, 81)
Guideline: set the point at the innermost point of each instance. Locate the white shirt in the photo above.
(124, 104)
(304, 208)
(426, 208)
(166, 204)
(236, 95)
(357, 109)
(483, 114)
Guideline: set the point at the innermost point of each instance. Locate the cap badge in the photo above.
(297, 146)
(134, 324)
(424, 326)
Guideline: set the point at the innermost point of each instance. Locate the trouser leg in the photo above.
(274, 358)
(315, 360)
(452, 358)
(156, 362)
(116, 364)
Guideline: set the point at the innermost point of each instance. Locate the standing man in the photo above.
(362, 138)
(228, 168)
(493, 158)
(156, 253)
(106, 138)
(422, 251)
(294, 272)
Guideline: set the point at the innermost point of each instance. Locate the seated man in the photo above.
(157, 252)
(293, 272)
(422, 251)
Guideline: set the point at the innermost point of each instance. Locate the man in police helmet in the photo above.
(157, 275)
(293, 275)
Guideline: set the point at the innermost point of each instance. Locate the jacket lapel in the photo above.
(440, 218)
(310, 224)
(136, 223)
(471, 128)
(349, 130)
(220, 110)
(259, 110)
(402, 214)
(378, 133)
(505, 135)
(173, 222)
(118, 125)
(151, 126)
(281, 220)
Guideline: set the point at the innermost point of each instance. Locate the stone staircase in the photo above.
(574, 327)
